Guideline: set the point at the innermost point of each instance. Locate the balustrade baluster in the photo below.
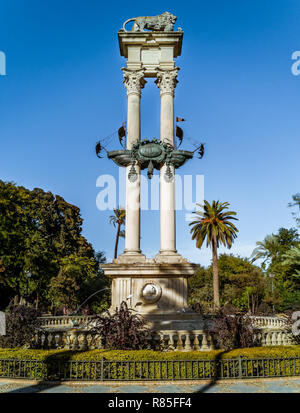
(187, 346)
(204, 344)
(179, 342)
(171, 344)
(196, 345)
(268, 340)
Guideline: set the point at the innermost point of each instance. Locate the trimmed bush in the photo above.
(148, 364)
(140, 355)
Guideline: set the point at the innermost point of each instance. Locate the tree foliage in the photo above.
(118, 220)
(242, 285)
(41, 234)
(213, 223)
(296, 203)
(280, 259)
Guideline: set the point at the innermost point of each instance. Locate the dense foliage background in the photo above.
(43, 256)
(272, 287)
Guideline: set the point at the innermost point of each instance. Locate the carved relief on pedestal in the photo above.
(167, 80)
(151, 292)
(134, 80)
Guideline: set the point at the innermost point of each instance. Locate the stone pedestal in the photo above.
(151, 288)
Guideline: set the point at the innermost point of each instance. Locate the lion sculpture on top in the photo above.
(164, 22)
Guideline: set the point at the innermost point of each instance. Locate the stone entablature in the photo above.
(150, 50)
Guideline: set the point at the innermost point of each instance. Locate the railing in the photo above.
(148, 370)
(77, 339)
(197, 340)
(64, 320)
(262, 321)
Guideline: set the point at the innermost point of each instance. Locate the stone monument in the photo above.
(154, 287)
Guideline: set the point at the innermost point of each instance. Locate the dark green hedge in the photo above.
(254, 352)
(130, 365)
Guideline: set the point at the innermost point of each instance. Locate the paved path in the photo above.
(287, 385)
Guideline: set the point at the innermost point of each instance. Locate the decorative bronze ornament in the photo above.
(151, 155)
(132, 175)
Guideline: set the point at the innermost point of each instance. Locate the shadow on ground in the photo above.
(217, 374)
(51, 375)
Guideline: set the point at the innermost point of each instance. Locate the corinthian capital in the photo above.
(134, 80)
(167, 80)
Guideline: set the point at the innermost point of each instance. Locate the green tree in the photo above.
(200, 291)
(118, 219)
(292, 259)
(296, 203)
(64, 287)
(242, 285)
(213, 223)
(267, 250)
(38, 231)
(279, 259)
(100, 284)
(271, 249)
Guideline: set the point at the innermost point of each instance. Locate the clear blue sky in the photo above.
(63, 91)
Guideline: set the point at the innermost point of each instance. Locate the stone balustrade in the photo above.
(65, 321)
(78, 339)
(70, 321)
(59, 332)
(269, 322)
(197, 340)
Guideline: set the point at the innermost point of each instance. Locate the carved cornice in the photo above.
(134, 80)
(167, 80)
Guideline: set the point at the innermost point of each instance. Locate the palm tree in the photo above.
(292, 259)
(267, 250)
(213, 223)
(118, 219)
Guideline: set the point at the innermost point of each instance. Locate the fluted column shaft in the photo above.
(134, 81)
(166, 81)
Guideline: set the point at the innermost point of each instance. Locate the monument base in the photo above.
(181, 321)
(154, 288)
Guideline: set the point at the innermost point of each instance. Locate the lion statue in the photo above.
(163, 22)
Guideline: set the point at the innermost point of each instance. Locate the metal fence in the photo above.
(150, 370)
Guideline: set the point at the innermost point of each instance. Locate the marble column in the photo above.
(134, 81)
(166, 81)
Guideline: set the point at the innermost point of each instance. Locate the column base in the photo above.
(169, 257)
(130, 257)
